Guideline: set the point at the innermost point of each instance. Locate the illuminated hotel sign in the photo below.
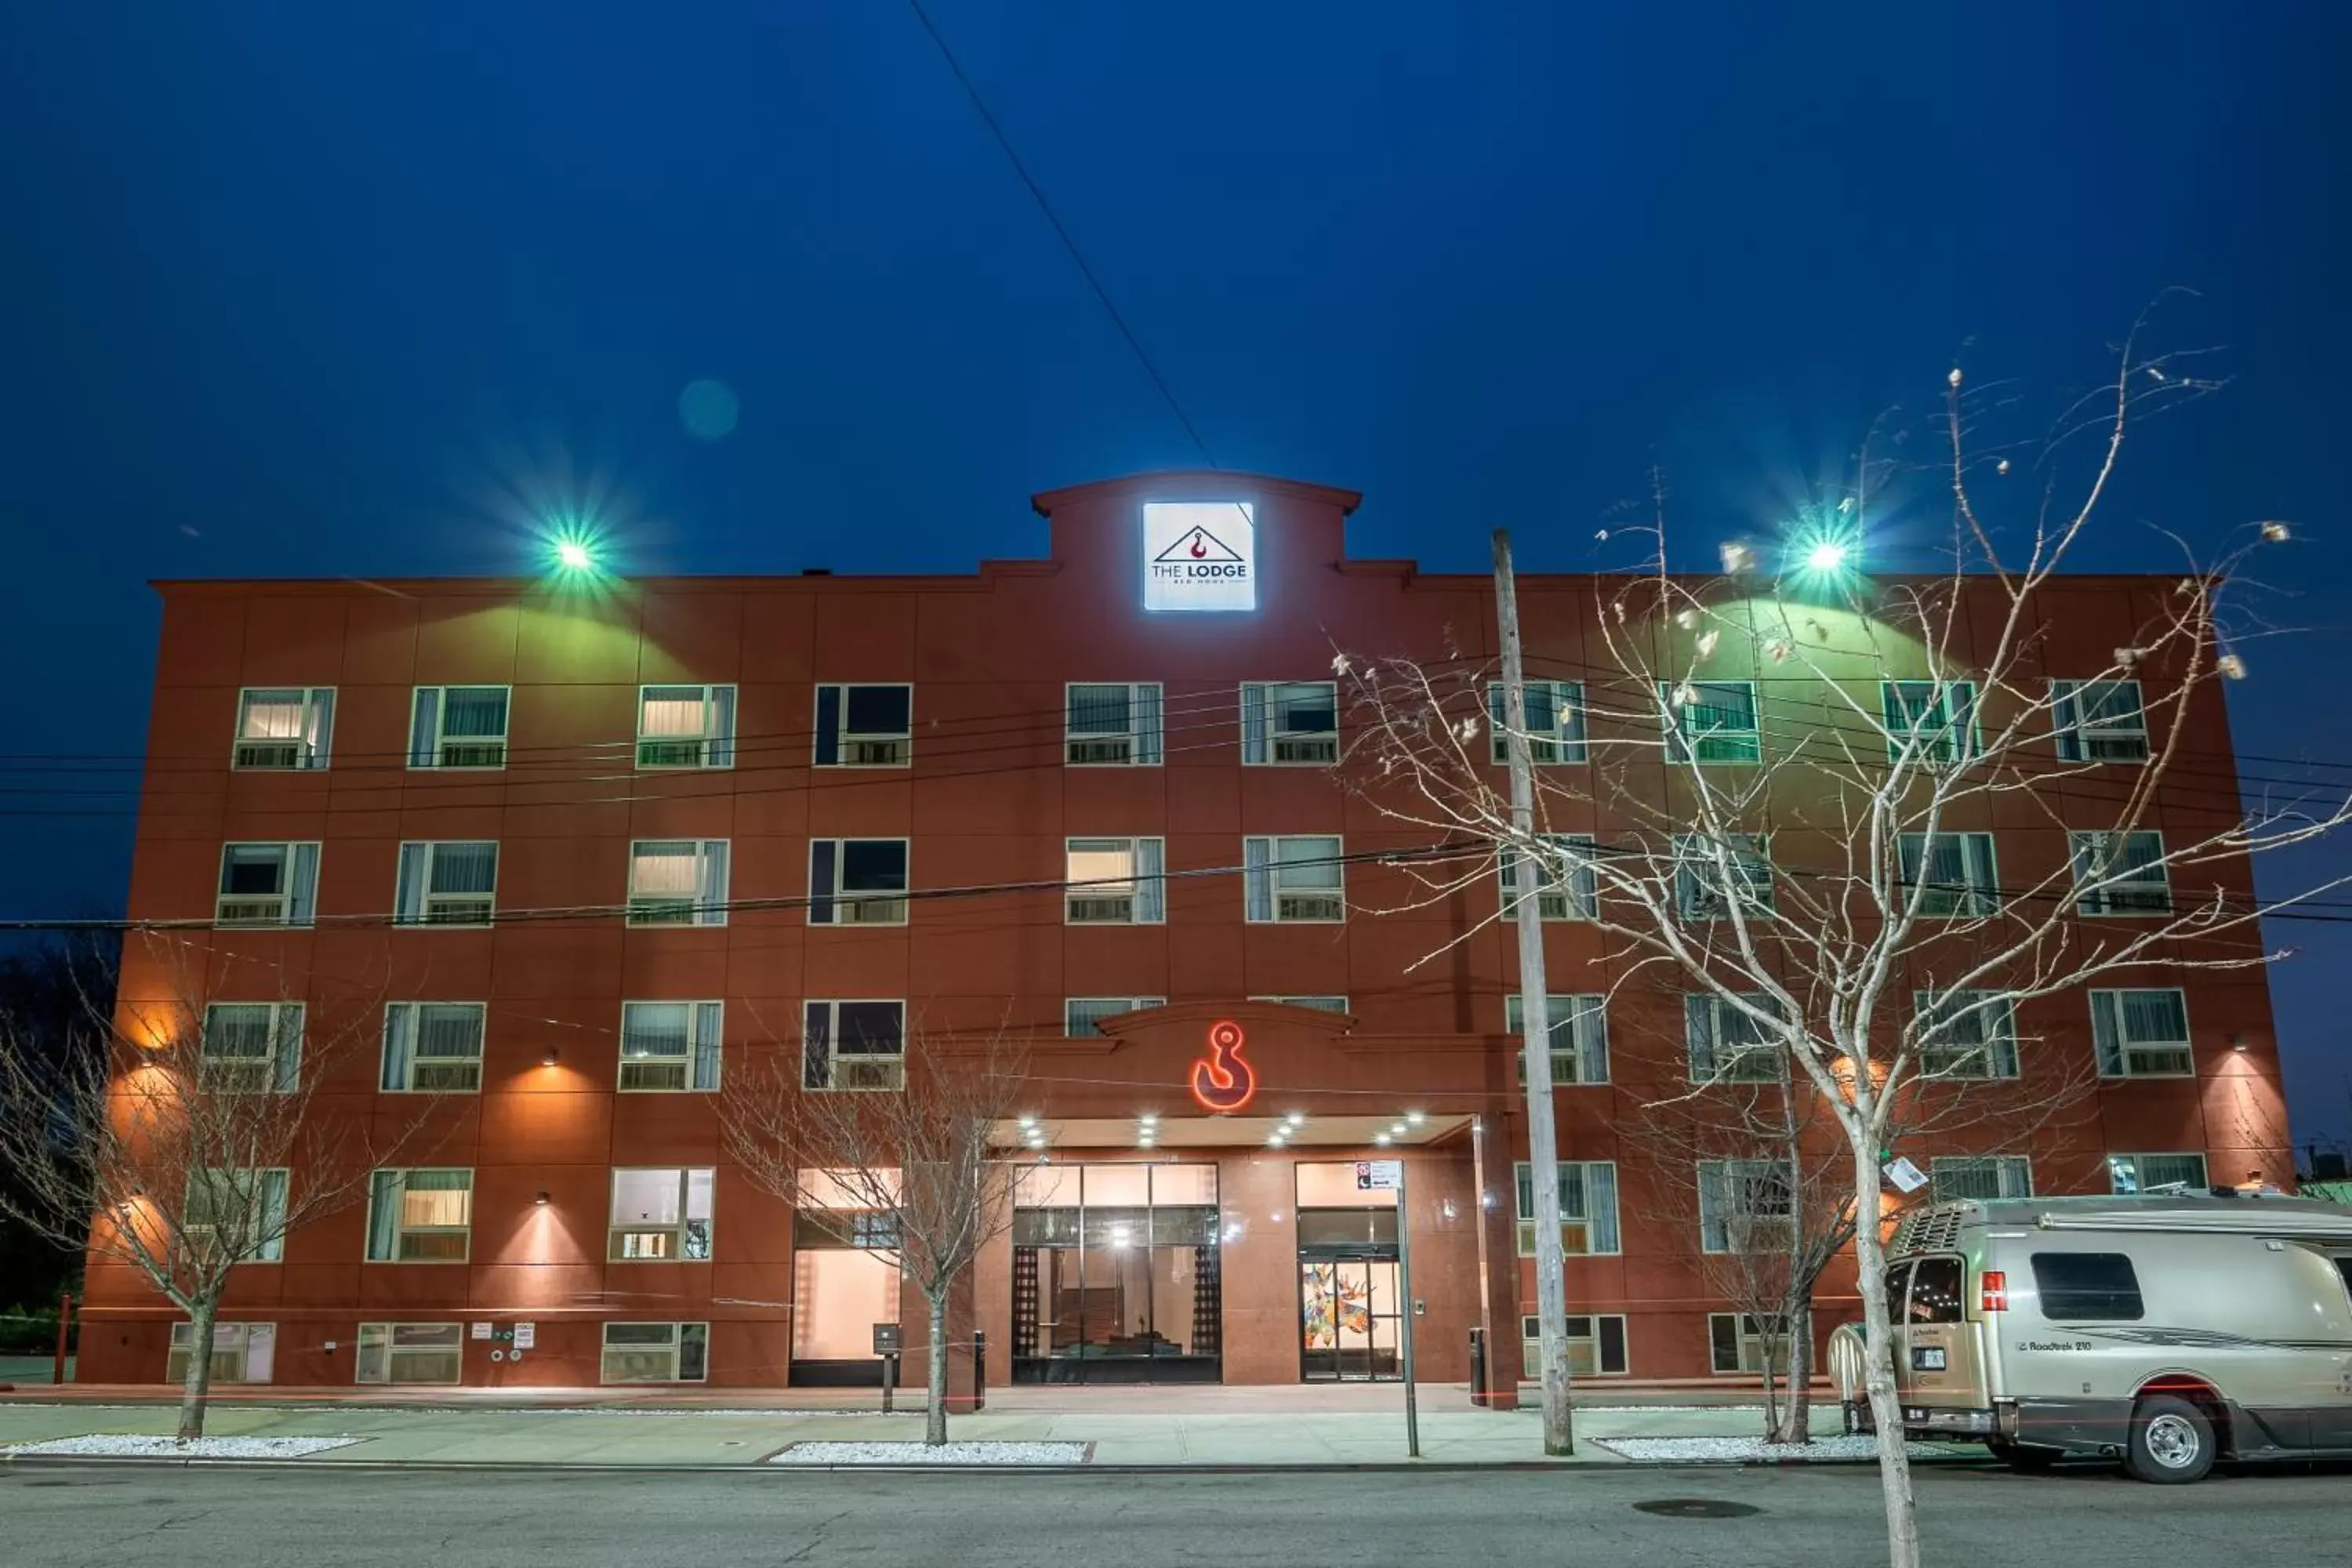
(1200, 555)
(1222, 1080)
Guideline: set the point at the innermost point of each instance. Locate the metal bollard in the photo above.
(1479, 1391)
(979, 1369)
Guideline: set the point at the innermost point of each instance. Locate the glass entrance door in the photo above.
(1116, 1274)
(1349, 1315)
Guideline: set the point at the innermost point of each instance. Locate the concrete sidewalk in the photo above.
(1450, 1434)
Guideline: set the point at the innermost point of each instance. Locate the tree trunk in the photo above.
(1796, 1420)
(197, 1385)
(935, 1418)
(1878, 1364)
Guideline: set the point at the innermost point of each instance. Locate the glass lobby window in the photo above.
(1116, 1274)
(284, 727)
(845, 1281)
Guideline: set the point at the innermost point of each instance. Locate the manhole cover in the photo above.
(1696, 1508)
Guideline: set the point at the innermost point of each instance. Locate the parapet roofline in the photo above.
(1192, 484)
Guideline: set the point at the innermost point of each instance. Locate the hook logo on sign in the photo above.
(1222, 1080)
(1200, 555)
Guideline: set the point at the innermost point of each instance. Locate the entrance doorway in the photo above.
(1350, 1309)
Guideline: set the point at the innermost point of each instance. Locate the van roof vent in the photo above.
(1936, 1229)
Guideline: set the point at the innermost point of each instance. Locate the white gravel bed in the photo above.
(129, 1446)
(980, 1453)
(1754, 1450)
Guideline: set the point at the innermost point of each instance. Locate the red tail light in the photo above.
(1994, 1291)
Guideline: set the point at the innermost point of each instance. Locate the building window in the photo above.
(1986, 1176)
(1113, 725)
(1312, 1003)
(1554, 722)
(267, 885)
(857, 881)
(1292, 879)
(1957, 868)
(1712, 720)
(2120, 874)
(1744, 1206)
(458, 726)
(1579, 1036)
(661, 1215)
(1596, 1345)
(2141, 1034)
(1742, 1343)
(284, 727)
(656, 1353)
(1566, 887)
(1727, 1045)
(420, 1216)
(2098, 720)
(1081, 1013)
(433, 1047)
(669, 1047)
(251, 1047)
(677, 882)
(1965, 1034)
(853, 1046)
(1931, 721)
(685, 726)
(2133, 1174)
(1699, 866)
(446, 883)
(242, 1352)
(1114, 881)
(241, 1210)
(1588, 1207)
(411, 1353)
(865, 726)
(1290, 722)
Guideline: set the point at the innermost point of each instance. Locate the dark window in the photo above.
(2087, 1287)
(2344, 1266)
(1897, 1278)
(1936, 1291)
(871, 1028)
(874, 865)
(1612, 1344)
(878, 709)
(1343, 1228)
(866, 1230)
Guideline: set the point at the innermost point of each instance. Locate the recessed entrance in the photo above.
(1116, 1274)
(1351, 1309)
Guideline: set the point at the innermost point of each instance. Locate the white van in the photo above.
(2167, 1331)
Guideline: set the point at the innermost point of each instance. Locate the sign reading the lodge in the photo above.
(1200, 555)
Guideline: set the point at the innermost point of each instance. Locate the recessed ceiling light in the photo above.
(1414, 1117)
(1381, 1138)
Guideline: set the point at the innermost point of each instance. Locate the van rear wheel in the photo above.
(2018, 1456)
(2171, 1441)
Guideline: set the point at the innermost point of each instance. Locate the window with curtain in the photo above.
(267, 885)
(433, 1047)
(2120, 874)
(685, 727)
(678, 882)
(447, 882)
(1579, 1036)
(1114, 881)
(2129, 1175)
(1296, 878)
(1700, 862)
(1712, 720)
(251, 1047)
(2141, 1034)
(661, 1215)
(420, 1216)
(245, 1210)
(1114, 725)
(1555, 723)
(284, 727)
(670, 1046)
(1726, 1044)
(1933, 720)
(1954, 873)
(458, 726)
(1981, 1177)
(1744, 1206)
(1290, 722)
(2098, 720)
(1081, 1013)
(1965, 1034)
(1566, 887)
(1588, 1207)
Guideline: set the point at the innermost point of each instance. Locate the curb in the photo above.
(761, 1466)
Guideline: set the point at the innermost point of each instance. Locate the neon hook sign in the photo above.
(1221, 1081)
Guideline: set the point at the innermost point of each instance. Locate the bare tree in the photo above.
(200, 1137)
(919, 1160)
(1793, 776)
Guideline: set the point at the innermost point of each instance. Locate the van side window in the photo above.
(1935, 1292)
(2087, 1287)
(1897, 1278)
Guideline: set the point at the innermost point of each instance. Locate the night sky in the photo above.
(316, 291)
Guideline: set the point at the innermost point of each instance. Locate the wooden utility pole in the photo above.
(1535, 1021)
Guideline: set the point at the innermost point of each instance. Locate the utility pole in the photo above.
(1535, 1021)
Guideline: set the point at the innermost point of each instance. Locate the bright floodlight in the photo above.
(1826, 556)
(573, 556)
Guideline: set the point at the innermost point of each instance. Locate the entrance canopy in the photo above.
(1402, 1129)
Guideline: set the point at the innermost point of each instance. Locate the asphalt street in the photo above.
(126, 1517)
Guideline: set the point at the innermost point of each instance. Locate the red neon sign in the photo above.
(1221, 1081)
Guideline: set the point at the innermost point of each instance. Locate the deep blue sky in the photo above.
(309, 289)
